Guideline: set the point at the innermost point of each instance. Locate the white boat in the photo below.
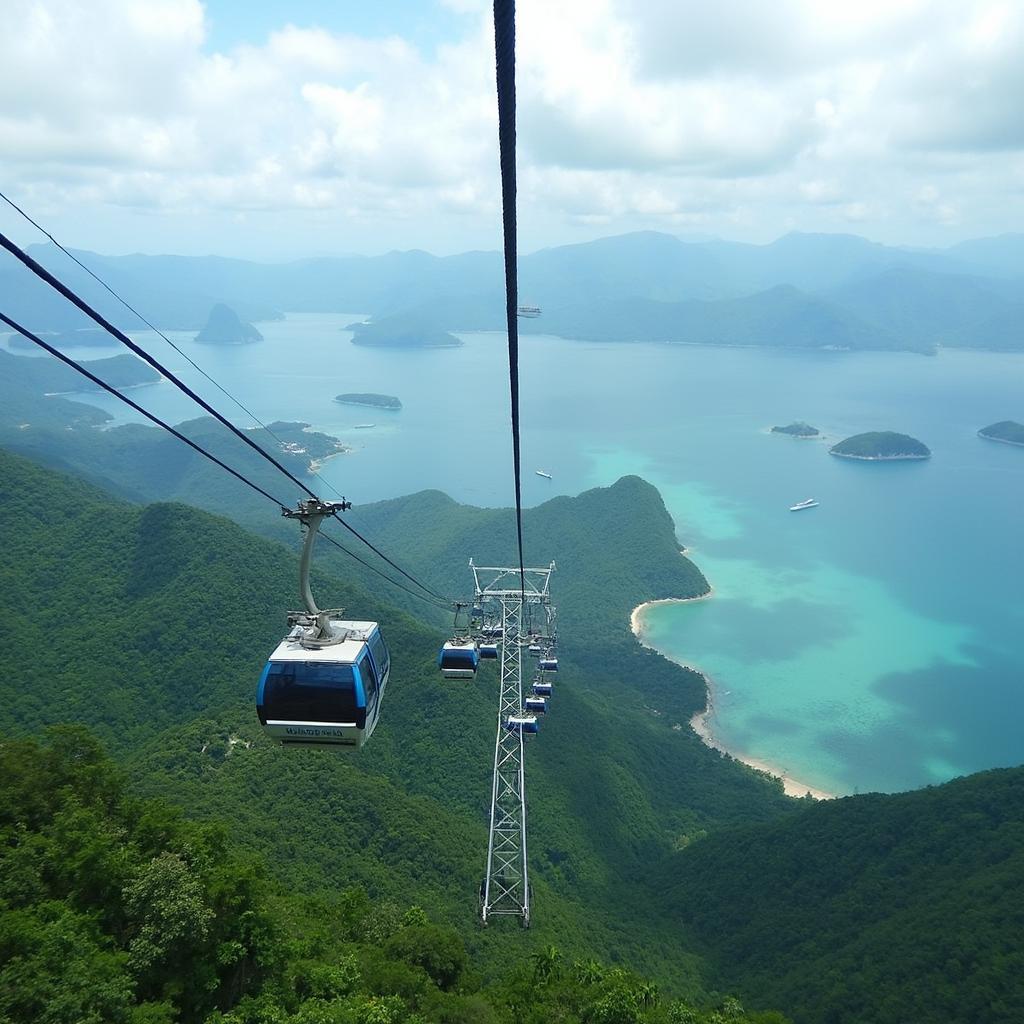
(540, 472)
(806, 503)
(363, 426)
(529, 311)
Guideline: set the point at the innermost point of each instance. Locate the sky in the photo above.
(279, 130)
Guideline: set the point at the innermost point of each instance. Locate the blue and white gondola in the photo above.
(526, 724)
(458, 659)
(542, 689)
(324, 695)
(488, 649)
(536, 705)
(549, 663)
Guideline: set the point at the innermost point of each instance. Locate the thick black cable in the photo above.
(89, 375)
(68, 361)
(505, 74)
(42, 273)
(156, 330)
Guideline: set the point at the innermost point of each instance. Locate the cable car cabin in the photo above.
(526, 724)
(488, 650)
(542, 689)
(325, 696)
(549, 663)
(458, 659)
(494, 630)
(536, 650)
(536, 705)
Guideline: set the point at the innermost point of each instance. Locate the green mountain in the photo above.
(648, 849)
(872, 908)
(150, 626)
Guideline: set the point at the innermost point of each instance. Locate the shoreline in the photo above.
(700, 721)
(1001, 440)
(879, 458)
(315, 465)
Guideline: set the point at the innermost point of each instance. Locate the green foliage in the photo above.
(881, 444)
(880, 908)
(1006, 430)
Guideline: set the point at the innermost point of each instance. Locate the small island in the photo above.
(388, 402)
(797, 430)
(224, 328)
(881, 445)
(1006, 432)
(403, 330)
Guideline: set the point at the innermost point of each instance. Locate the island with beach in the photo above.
(880, 446)
(1006, 432)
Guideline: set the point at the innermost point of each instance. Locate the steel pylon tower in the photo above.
(506, 886)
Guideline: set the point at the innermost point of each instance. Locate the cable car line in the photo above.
(89, 375)
(67, 360)
(45, 275)
(156, 330)
(505, 74)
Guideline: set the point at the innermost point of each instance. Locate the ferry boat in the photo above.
(529, 311)
(806, 503)
(363, 426)
(540, 472)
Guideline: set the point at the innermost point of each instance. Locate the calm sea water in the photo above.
(875, 642)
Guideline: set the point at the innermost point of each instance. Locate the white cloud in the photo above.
(632, 113)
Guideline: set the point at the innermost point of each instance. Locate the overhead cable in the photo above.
(156, 330)
(45, 275)
(68, 361)
(505, 73)
(89, 375)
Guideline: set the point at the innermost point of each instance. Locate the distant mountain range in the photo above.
(803, 290)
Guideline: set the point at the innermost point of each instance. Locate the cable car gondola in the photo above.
(323, 685)
(458, 658)
(549, 663)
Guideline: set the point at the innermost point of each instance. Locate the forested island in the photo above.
(878, 445)
(797, 429)
(388, 402)
(224, 328)
(404, 330)
(1006, 431)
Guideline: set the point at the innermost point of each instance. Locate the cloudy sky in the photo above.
(274, 130)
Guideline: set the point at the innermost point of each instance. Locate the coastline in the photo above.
(1001, 440)
(315, 465)
(879, 458)
(700, 722)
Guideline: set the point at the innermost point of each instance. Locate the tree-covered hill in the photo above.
(150, 625)
(872, 908)
(115, 910)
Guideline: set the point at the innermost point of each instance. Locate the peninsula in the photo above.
(797, 430)
(1006, 431)
(310, 447)
(224, 328)
(388, 402)
(881, 445)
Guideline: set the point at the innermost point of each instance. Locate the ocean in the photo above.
(871, 643)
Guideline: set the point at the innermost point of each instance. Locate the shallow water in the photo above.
(873, 642)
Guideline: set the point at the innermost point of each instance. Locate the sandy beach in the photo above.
(701, 722)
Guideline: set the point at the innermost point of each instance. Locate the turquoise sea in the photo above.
(873, 643)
